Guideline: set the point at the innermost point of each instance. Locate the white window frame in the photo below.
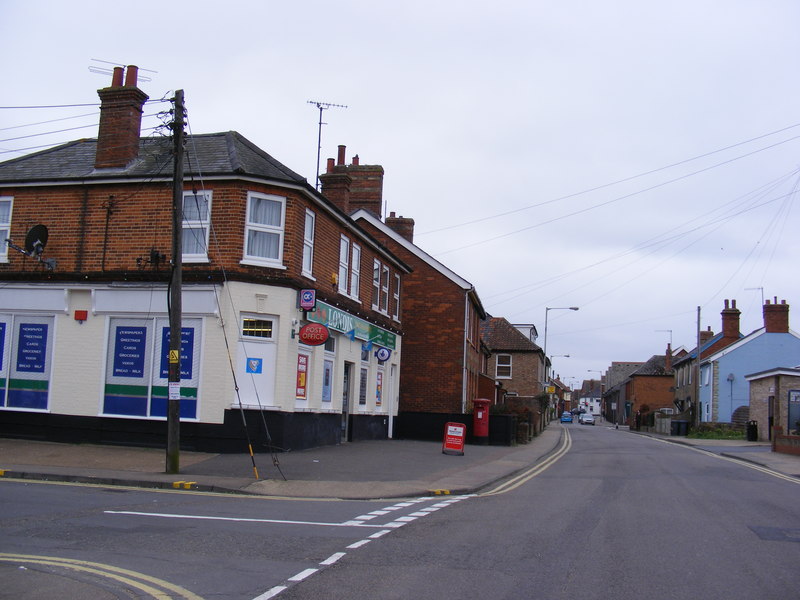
(385, 290)
(344, 264)
(251, 227)
(509, 366)
(309, 228)
(396, 310)
(376, 284)
(191, 226)
(355, 271)
(5, 228)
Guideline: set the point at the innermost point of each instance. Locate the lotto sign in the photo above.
(308, 299)
(454, 434)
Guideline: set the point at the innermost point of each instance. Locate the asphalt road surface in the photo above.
(609, 515)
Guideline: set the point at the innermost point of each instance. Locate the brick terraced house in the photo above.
(443, 367)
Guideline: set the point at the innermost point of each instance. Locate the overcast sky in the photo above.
(637, 159)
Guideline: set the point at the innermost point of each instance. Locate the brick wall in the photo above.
(97, 233)
(433, 377)
(652, 391)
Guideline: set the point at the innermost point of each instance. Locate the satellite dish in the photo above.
(36, 240)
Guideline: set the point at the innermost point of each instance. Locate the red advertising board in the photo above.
(454, 434)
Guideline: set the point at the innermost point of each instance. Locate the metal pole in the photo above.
(175, 306)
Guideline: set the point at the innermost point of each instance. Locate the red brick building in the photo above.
(442, 368)
(90, 309)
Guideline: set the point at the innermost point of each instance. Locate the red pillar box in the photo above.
(454, 434)
(480, 420)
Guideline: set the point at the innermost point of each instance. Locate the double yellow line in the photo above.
(525, 476)
(151, 586)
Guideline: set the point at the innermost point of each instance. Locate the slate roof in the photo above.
(655, 366)
(500, 335)
(209, 155)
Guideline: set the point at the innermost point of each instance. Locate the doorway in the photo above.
(347, 377)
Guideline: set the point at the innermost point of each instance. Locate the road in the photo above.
(610, 515)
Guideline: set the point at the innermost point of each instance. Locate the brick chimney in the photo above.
(404, 227)
(730, 321)
(335, 186)
(776, 316)
(668, 358)
(706, 335)
(120, 120)
(364, 187)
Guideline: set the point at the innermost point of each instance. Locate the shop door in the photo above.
(346, 379)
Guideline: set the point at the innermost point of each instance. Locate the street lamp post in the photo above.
(544, 347)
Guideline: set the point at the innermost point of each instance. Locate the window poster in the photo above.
(32, 348)
(187, 352)
(302, 376)
(379, 388)
(130, 345)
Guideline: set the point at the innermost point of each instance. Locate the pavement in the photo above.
(358, 470)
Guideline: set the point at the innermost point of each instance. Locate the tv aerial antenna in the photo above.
(35, 241)
(322, 106)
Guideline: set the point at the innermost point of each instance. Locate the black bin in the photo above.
(752, 431)
(679, 427)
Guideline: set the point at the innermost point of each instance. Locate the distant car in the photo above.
(586, 419)
(566, 417)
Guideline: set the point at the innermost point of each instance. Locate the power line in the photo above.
(613, 200)
(612, 183)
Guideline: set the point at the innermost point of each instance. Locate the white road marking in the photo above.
(303, 574)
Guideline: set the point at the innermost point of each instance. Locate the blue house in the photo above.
(724, 389)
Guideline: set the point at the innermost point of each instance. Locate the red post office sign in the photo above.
(454, 434)
(314, 334)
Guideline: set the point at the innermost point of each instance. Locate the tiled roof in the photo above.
(212, 154)
(500, 335)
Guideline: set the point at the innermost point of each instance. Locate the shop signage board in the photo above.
(453, 443)
(339, 320)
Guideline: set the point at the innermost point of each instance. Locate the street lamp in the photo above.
(546, 313)
(544, 347)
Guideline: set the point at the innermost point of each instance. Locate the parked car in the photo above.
(586, 419)
(566, 417)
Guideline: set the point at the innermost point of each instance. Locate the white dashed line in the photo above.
(303, 574)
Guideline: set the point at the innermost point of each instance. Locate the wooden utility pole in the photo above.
(697, 408)
(175, 305)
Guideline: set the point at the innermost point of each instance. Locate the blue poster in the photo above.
(2, 346)
(32, 348)
(130, 344)
(187, 352)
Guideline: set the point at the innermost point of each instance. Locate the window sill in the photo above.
(267, 265)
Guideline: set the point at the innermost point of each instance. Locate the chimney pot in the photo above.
(131, 76)
(340, 159)
(330, 165)
(116, 78)
(355, 160)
